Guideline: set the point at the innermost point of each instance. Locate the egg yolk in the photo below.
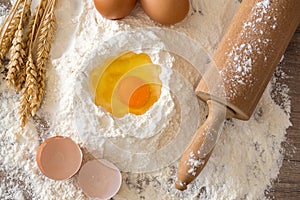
(134, 92)
(128, 83)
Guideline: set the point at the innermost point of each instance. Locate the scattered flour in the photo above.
(244, 163)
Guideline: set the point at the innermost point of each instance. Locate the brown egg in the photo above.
(114, 9)
(59, 158)
(166, 11)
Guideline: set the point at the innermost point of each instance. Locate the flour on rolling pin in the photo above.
(243, 54)
(242, 66)
(249, 53)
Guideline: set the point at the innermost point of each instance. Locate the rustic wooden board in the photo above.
(287, 186)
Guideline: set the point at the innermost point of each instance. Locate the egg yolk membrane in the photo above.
(128, 83)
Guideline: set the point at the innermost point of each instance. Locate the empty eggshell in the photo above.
(100, 179)
(59, 158)
(114, 9)
(166, 11)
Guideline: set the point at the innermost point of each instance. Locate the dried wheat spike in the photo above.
(5, 32)
(27, 12)
(24, 107)
(31, 82)
(6, 42)
(16, 66)
(34, 23)
(45, 39)
(16, 74)
(30, 91)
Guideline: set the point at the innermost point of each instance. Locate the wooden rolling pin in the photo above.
(243, 65)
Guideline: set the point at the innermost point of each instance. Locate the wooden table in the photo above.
(287, 186)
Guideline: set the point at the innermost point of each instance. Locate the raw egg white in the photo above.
(126, 84)
(166, 11)
(115, 9)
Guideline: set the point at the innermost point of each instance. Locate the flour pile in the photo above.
(246, 159)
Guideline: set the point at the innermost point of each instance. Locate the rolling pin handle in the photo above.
(199, 150)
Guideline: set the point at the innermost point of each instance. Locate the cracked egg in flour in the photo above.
(128, 83)
(132, 107)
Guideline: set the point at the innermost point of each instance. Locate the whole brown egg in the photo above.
(115, 9)
(166, 11)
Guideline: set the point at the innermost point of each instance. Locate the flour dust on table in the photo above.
(245, 161)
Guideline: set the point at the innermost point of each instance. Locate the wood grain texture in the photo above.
(287, 185)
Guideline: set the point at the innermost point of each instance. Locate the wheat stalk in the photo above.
(16, 66)
(28, 57)
(34, 23)
(15, 75)
(46, 34)
(8, 35)
(4, 27)
(31, 82)
(24, 107)
(8, 30)
(27, 14)
(35, 74)
(8, 19)
(30, 91)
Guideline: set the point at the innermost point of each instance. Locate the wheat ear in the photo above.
(34, 23)
(16, 66)
(15, 75)
(29, 93)
(8, 19)
(30, 79)
(3, 29)
(8, 30)
(24, 107)
(45, 38)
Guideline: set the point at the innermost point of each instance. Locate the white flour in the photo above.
(244, 163)
(138, 126)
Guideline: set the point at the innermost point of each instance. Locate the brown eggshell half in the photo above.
(59, 158)
(100, 179)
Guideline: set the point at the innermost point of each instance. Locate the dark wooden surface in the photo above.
(287, 186)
